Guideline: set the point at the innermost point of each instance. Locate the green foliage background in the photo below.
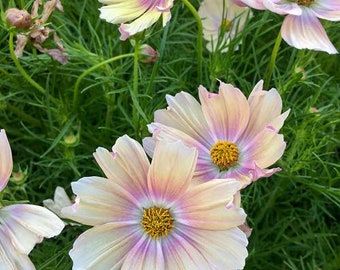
(294, 214)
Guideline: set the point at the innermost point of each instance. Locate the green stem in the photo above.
(21, 69)
(273, 57)
(88, 71)
(135, 87)
(199, 38)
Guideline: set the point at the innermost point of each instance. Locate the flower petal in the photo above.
(10, 258)
(185, 114)
(227, 112)
(60, 201)
(326, 9)
(104, 246)
(98, 200)
(306, 32)
(204, 206)
(28, 224)
(147, 254)
(222, 249)
(128, 165)
(171, 170)
(257, 4)
(6, 162)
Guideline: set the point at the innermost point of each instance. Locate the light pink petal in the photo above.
(306, 32)
(121, 11)
(127, 165)
(28, 224)
(227, 112)
(282, 7)
(257, 4)
(6, 162)
(185, 114)
(104, 246)
(144, 21)
(171, 170)
(265, 107)
(210, 206)
(179, 253)
(10, 258)
(99, 201)
(265, 149)
(326, 9)
(59, 201)
(147, 254)
(222, 249)
(258, 172)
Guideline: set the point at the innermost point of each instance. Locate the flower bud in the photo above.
(148, 54)
(18, 18)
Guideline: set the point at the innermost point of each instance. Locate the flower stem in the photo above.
(21, 69)
(199, 38)
(273, 57)
(134, 94)
(88, 71)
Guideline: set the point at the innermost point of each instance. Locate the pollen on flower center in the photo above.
(304, 2)
(224, 154)
(157, 221)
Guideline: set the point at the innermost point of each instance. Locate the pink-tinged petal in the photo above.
(257, 172)
(6, 162)
(10, 258)
(128, 165)
(227, 112)
(28, 224)
(179, 253)
(257, 4)
(121, 11)
(277, 123)
(147, 254)
(265, 149)
(104, 246)
(209, 206)
(185, 114)
(171, 170)
(282, 7)
(100, 200)
(265, 107)
(306, 32)
(144, 21)
(326, 9)
(222, 249)
(59, 201)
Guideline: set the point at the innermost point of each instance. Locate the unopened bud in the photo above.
(19, 177)
(18, 18)
(71, 140)
(148, 54)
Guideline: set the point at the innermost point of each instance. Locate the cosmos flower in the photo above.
(141, 14)
(21, 225)
(235, 137)
(222, 21)
(59, 201)
(301, 27)
(149, 216)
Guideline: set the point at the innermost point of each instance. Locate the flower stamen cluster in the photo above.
(157, 222)
(224, 154)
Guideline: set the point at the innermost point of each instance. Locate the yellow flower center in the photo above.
(304, 2)
(226, 25)
(157, 221)
(224, 154)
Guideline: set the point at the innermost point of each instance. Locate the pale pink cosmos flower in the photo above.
(21, 225)
(60, 200)
(149, 216)
(140, 14)
(301, 27)
(222, 20)
(235, 137)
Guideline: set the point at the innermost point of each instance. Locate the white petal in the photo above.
(10, 258)
(60, 201)
(171, 170)
(28, 224)
(6, 162)
(306, 32)
(104, 246)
